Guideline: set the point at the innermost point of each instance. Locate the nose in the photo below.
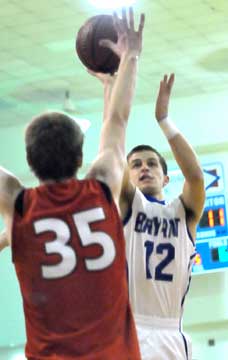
(145, 166)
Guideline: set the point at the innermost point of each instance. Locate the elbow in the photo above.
(120, 116)
(197, 180)
(197, 175)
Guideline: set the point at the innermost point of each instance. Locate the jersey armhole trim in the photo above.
(187, 228)
(19, 209)
(19, 203)
(106, 191)
(127, 217)
(185, 345)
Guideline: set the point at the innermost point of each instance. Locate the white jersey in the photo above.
(160, 253)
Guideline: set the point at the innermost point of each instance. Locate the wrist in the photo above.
(129, 55)
(168, 127)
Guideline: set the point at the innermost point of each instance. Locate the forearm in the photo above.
(193, 193)
(114, 127)
(186, 158)
(107, 95)
(123, 89)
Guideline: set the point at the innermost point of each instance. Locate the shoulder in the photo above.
(188, 216)
(177, 205)
(101, 186)
(10, 188)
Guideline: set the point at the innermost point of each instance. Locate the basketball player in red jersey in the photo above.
(66, 236)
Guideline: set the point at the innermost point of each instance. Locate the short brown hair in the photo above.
(139, 148)
(53, 146)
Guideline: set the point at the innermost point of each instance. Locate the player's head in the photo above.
(147, 169)
(54, 146)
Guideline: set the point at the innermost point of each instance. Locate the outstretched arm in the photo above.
(127, 188)
(109, 165)
(9, 189)
(4, 242)
(10, 186)
(108, 81)
(193, 194)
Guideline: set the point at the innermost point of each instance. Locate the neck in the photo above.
(158, 196)
(52, 181)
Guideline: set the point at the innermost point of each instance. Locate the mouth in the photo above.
(145, 177)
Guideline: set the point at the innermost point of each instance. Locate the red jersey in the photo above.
(69, 254)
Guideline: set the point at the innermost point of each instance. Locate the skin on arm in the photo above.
(108, 81)
(109, 165)
(4, 242)
(193, 194)
(127, 188)
(126, 194)
(10, 187)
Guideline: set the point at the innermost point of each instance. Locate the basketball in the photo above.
(91, 54)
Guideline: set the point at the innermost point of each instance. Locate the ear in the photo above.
(28, 160)
(79, 161)
(166, 180)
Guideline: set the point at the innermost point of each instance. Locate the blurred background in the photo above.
(39, 70)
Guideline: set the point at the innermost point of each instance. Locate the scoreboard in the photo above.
(212, 231)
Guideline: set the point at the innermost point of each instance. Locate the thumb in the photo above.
(91, 72)
(108, 44)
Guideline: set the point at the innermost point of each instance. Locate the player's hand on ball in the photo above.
(129, 41)
(106, 79)
(162, 103)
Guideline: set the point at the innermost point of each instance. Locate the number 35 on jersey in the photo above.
(60, 245)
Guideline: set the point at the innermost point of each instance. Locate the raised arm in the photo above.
(9, 189)
(4, 242)
(193, 194)
(109, 165)
(108, 81)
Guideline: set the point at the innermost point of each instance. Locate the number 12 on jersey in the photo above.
(169, 251)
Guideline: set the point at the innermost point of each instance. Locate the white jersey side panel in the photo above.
(160, 255)
(163, 344)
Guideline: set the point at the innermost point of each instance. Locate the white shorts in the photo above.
(162, 340)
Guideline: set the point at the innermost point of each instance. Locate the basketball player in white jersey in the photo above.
(160, 238)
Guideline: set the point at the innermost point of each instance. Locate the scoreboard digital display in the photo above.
(212, 230)
(212, 218)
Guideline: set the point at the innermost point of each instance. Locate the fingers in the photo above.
(118, 23)
(131, 19)
(141, 23)
(107, 43)
(98, 75)
(124, 18)
(167, 82)
(91, 72)
(121, 25)
(171, 80)
(163, 83)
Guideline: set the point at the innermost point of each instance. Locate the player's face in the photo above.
(146, 173)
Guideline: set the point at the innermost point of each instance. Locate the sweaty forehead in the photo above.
(143, 155)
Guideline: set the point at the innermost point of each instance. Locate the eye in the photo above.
(136, 164)
(151, 163)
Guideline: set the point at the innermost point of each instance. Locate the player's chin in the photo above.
(148, 189)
